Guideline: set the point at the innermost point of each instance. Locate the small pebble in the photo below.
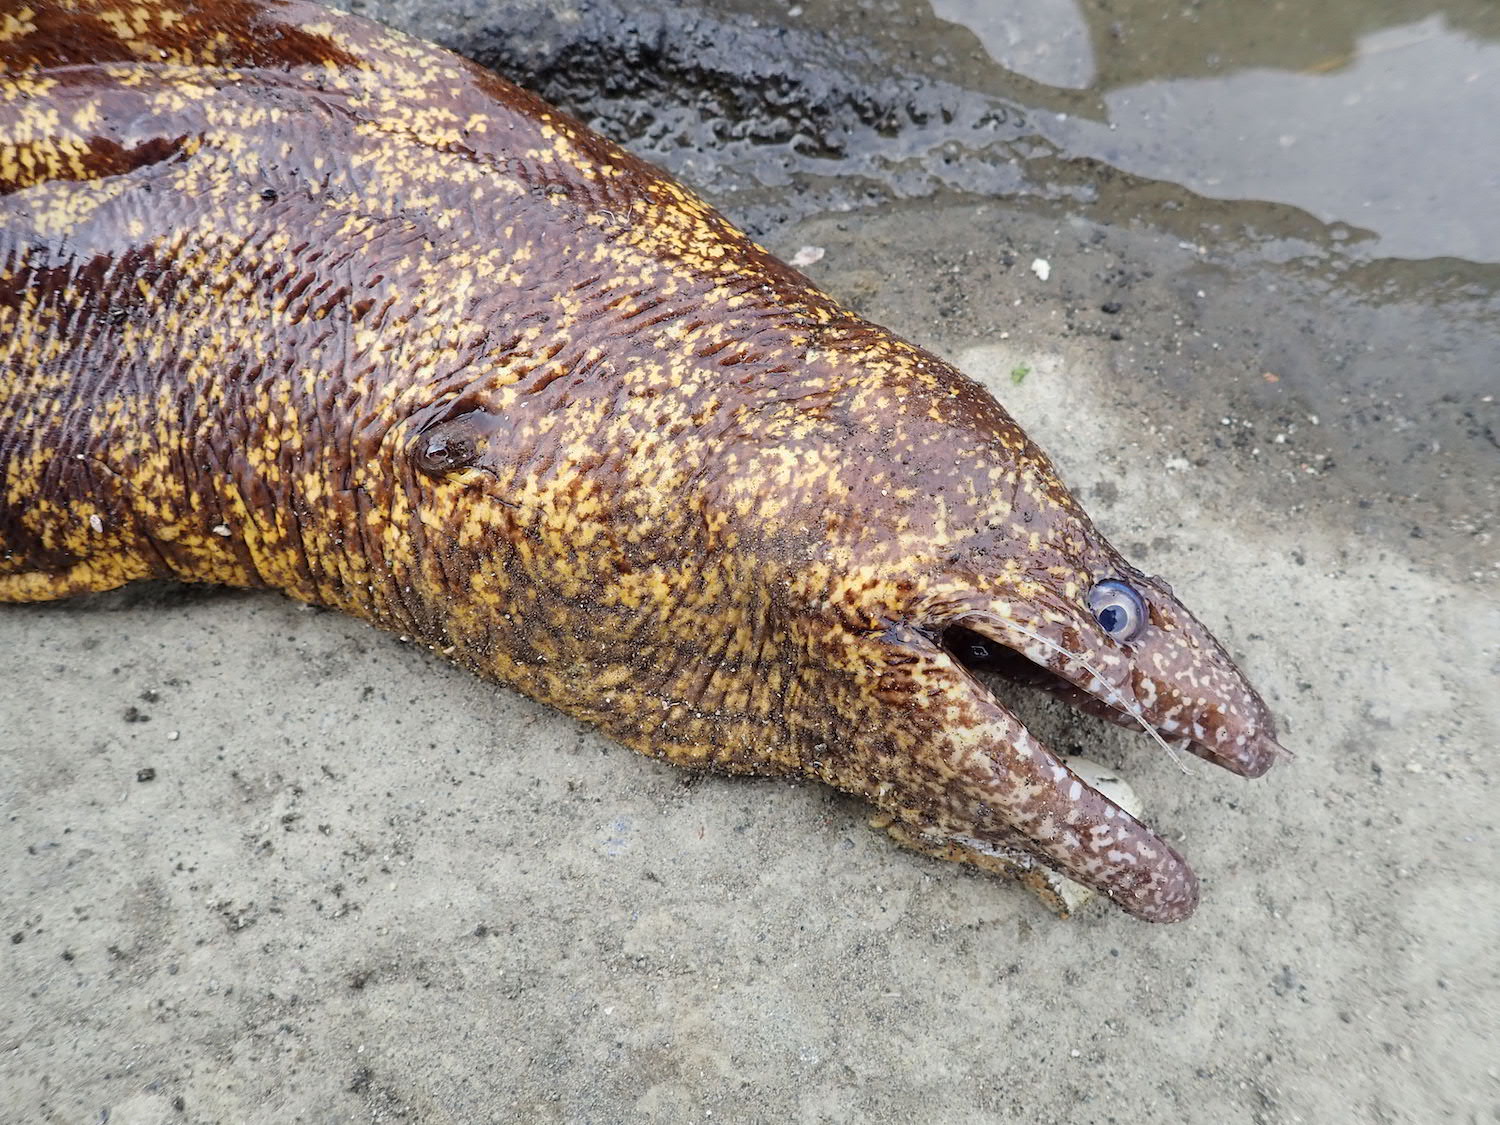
(808, 255)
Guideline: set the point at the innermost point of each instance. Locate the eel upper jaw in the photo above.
(1249, 754)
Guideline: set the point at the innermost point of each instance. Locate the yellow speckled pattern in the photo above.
(291, 300)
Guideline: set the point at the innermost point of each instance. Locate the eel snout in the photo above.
(1007, 791)
(1175, 682)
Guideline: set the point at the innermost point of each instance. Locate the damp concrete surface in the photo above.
(265, 864)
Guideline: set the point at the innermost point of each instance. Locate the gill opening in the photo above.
(1118, 698)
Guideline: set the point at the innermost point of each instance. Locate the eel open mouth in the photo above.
(1063, 816)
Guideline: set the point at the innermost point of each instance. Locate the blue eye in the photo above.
(1120, 611)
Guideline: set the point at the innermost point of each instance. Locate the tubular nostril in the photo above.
(1265, 752)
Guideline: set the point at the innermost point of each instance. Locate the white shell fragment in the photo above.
(1042, 268)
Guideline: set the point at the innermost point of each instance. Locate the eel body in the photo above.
(290, 300)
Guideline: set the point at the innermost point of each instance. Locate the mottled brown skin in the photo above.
(291, 300)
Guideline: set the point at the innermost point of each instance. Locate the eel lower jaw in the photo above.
(1064, 818)
(1136, 868)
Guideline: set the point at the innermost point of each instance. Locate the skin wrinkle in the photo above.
(254, 254)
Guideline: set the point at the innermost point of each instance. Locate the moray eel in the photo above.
(291, 300)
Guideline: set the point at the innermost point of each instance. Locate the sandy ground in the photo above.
(264, 864)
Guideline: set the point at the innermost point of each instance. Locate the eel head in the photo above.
(937, 542)
(811, 581)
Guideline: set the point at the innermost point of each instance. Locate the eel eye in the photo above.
(1120, 611)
